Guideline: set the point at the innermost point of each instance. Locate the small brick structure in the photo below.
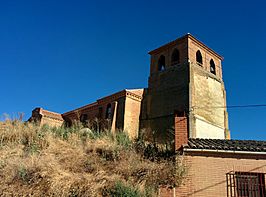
(42, 116)
(181, 131)
(207, 172)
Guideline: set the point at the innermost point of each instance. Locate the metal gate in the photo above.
(245, 184)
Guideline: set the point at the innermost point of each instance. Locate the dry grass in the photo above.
(47, 161)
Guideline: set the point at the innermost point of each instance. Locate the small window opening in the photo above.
(212, 67)
(175, 59)
(199, 57)
(161, 63)
(108, 111)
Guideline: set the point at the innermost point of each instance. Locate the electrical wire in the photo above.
(232, 106)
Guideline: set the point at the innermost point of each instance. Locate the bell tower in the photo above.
(185, 76)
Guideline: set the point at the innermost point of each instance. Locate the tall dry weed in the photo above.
(44, 161)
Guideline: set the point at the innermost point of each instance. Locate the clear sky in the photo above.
(62, 54)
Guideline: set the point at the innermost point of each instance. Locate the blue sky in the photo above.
(60, 55)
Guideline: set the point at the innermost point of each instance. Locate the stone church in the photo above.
(185, 78)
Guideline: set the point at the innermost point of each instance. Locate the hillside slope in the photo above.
(75, 161)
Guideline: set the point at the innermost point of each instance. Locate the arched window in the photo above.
(175, 57)
(212, 67)
(199, 57)
(108, 114)
(161, 63)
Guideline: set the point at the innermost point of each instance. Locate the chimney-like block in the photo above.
(181, 131)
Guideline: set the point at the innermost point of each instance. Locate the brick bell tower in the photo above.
(185, 76)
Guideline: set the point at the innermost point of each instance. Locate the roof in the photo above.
(135, 92)
(226, 145)
(80, 108)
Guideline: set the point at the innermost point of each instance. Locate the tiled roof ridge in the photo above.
(227, 145)
(226, 139)
(90, 105)
(106, 99)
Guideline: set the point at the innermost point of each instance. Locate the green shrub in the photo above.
(122, 190)
(32, 148)
(23, 174)
(95, 135)
(122, 139)
(61, 132)
(45, 128)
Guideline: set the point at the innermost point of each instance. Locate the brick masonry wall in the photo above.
(167, 91)
(43, 117)
(181, 132)
(51, 122)
(126, 114)
(207, 173)
(207, 55)
(167, 51)
(131, 117)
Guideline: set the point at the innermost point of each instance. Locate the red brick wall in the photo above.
(181, 131)
(207, 173)
(207, 55)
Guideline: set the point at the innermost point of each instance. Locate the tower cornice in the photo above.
(187, 36)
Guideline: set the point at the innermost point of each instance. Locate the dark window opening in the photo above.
(108, 114)
(161, 63)
(199, 57)
(83, 118)
(212, 67)
(175, 59)
(245, 184)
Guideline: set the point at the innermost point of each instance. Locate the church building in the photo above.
(184, 103)
(185, 78)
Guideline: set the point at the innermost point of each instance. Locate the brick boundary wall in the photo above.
(207, 173)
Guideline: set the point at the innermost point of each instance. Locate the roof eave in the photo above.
(223, 151)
